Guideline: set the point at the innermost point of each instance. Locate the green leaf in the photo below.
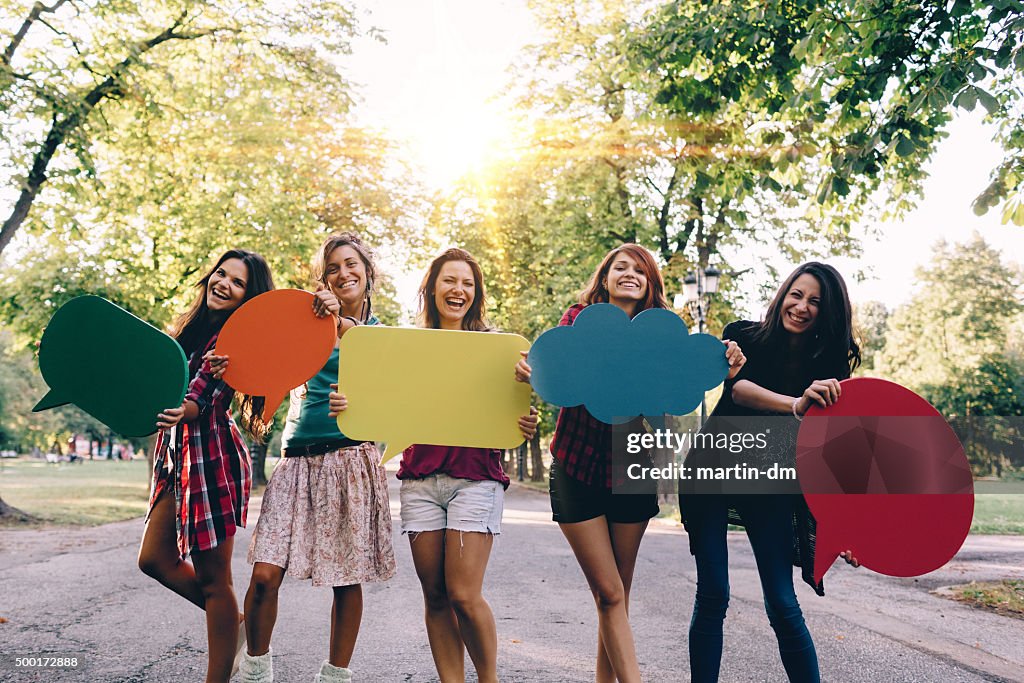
(990, 103)
(968, 98)
(905, 146)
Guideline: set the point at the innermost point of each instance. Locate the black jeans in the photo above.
(769, 524)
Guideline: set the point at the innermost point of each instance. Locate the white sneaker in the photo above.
(258, 669)
(333, 674)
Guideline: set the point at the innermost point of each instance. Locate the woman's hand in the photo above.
(528, 424)
(170, 417)
(850, 559)
(734, 355)
(218, 364)
(523, 369)
(337, 402)
(325, 303)
(824, 392)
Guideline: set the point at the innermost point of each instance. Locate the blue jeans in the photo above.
(769, 524)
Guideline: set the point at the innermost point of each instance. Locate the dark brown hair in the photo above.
(347, 239)
(196, 326)
(596, 291)
(832, 343)
(476, 317)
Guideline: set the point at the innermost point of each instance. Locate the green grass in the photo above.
(998, 513)
(90, 493)
(994, 513)
(1005, 597)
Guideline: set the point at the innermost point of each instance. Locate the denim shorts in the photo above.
(443, 502)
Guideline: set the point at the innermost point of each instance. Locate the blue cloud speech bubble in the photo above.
(620, 369)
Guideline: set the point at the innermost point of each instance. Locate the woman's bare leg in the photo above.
(591, 542)
(465, 561)
(446, 644)
(213, 572)
(346, 614)
(261, 607)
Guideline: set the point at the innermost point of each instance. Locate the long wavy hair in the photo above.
(348, 239)
(196, 326)
(476, 317)
(832, 344)
(596, 290)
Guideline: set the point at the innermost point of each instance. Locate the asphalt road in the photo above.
(78, 592)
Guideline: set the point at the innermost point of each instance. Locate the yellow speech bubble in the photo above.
(440, 387)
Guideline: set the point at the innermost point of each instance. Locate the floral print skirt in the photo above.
(326, 518)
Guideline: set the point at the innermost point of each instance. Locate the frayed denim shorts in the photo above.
(443, 502)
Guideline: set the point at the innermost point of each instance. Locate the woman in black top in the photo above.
(795, 358)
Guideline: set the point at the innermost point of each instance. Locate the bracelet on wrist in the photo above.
(355, 323)
(799, 418)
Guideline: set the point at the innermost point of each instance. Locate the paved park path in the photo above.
(78, 591)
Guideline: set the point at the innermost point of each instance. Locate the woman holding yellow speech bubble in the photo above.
(447, 489)
(325, 513)
(201, 474)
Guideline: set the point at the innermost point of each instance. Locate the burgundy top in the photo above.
(476, 464)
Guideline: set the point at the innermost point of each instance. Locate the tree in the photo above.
(966, 299)
(236, 154)
(953, 343)
(862, 88)
(610, 159)
(871, 320)
(69, 63)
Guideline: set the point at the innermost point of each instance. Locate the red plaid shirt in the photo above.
(582, 443)
(207, 462)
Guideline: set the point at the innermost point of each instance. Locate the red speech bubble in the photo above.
(275, 343)
(885, 477)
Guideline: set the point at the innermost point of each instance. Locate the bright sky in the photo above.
(430, 86)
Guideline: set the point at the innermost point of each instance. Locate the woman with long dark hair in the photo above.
(325, 514)
(795, 359)
(201, 468)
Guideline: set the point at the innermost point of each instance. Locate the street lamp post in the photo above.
(698, 287)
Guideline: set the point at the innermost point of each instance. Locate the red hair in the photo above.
(596, 291)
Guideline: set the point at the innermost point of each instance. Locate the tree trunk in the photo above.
(8, 513)
(508, 462)
(536, 459)
(258, 452)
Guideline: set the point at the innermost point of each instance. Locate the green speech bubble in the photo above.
(111, 364)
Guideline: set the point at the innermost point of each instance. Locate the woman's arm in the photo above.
(749, 395)
(824, 392)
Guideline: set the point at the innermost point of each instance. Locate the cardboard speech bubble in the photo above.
(668, 369)
(885, 477)
(275, 343)
(111, 364)
(440, 387)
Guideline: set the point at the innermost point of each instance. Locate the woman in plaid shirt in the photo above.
(605, 529)
(201, 472)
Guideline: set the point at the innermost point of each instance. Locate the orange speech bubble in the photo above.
(275, 343)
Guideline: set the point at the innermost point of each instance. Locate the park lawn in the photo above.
(994, 513)
(90, 493)
(998, 513)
